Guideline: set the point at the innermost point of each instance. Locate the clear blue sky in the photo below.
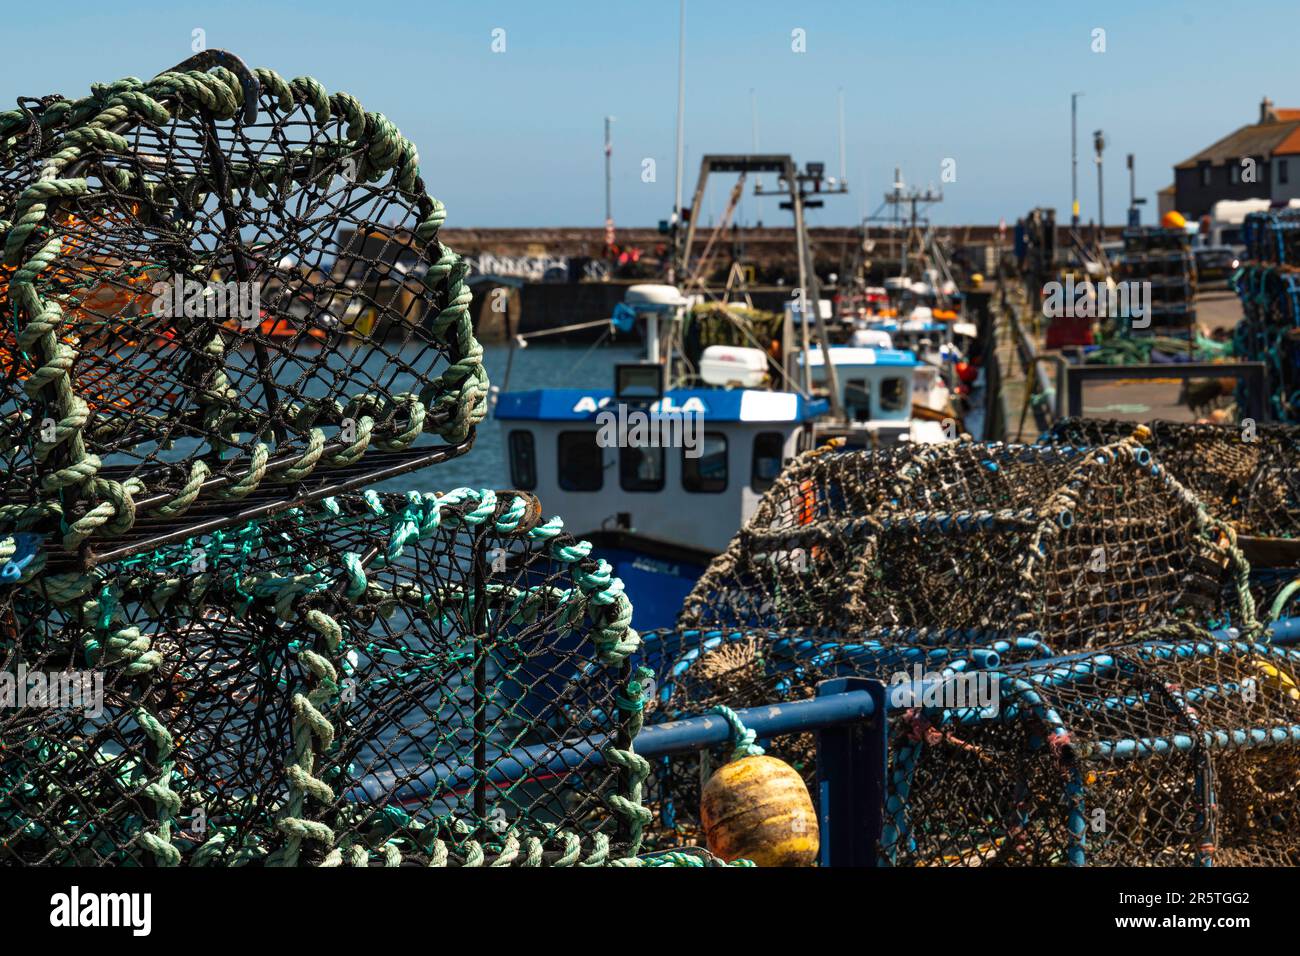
(515, 138)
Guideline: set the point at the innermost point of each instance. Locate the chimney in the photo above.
(1266, 114)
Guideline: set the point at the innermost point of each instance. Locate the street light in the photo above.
(1099, 143)
(609, 154)
(1074, 159)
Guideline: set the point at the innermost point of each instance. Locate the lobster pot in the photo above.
(1162, 260)
(159, 737)
(787, 566)
(1272, 237)
(224, 288)
(1085, 546)
(495, 706)
(1245, 475)
(1117, 547)
(1172, 754)
(381, 680)
(1270, 299)
(784, 567)
(696, 670)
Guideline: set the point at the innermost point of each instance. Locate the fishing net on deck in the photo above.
(221, 285)
(379, 680)
(1084, 547)
(1247, 475)
(1165, 753)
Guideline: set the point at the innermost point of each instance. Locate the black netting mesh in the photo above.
(1269, 288)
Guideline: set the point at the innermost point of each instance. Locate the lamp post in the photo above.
(1099, 143)
(1074, 159)
(609, 212)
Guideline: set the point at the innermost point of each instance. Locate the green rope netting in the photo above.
(223, 293)
(382, 680)
(318, 318)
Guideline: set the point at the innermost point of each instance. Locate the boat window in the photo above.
(769, 448)
(893, 393)
(857, 400)
(581, 466)
(641, 469)
(523, 461)
(708, 472)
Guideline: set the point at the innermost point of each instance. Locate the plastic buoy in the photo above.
(1276, 679)
(1173, 219)
(756, 807)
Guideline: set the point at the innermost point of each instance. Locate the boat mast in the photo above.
(810, 289)
(753, 116)
(681, 141)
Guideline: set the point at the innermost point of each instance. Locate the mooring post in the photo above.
(851, 768)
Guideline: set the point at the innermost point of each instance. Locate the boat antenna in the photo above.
(681, 117)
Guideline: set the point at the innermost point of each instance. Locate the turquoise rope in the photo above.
(742, 738)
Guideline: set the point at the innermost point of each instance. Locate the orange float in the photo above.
(758, 808)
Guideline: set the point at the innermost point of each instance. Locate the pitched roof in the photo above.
(1258, 139)
(1291, 144)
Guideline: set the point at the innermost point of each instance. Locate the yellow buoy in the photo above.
(758, 808)
(1276, 679)
(1173, 219)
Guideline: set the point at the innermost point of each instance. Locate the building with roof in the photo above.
(1258, 161)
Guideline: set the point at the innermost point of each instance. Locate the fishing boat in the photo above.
(716, 430)
(663, 507)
